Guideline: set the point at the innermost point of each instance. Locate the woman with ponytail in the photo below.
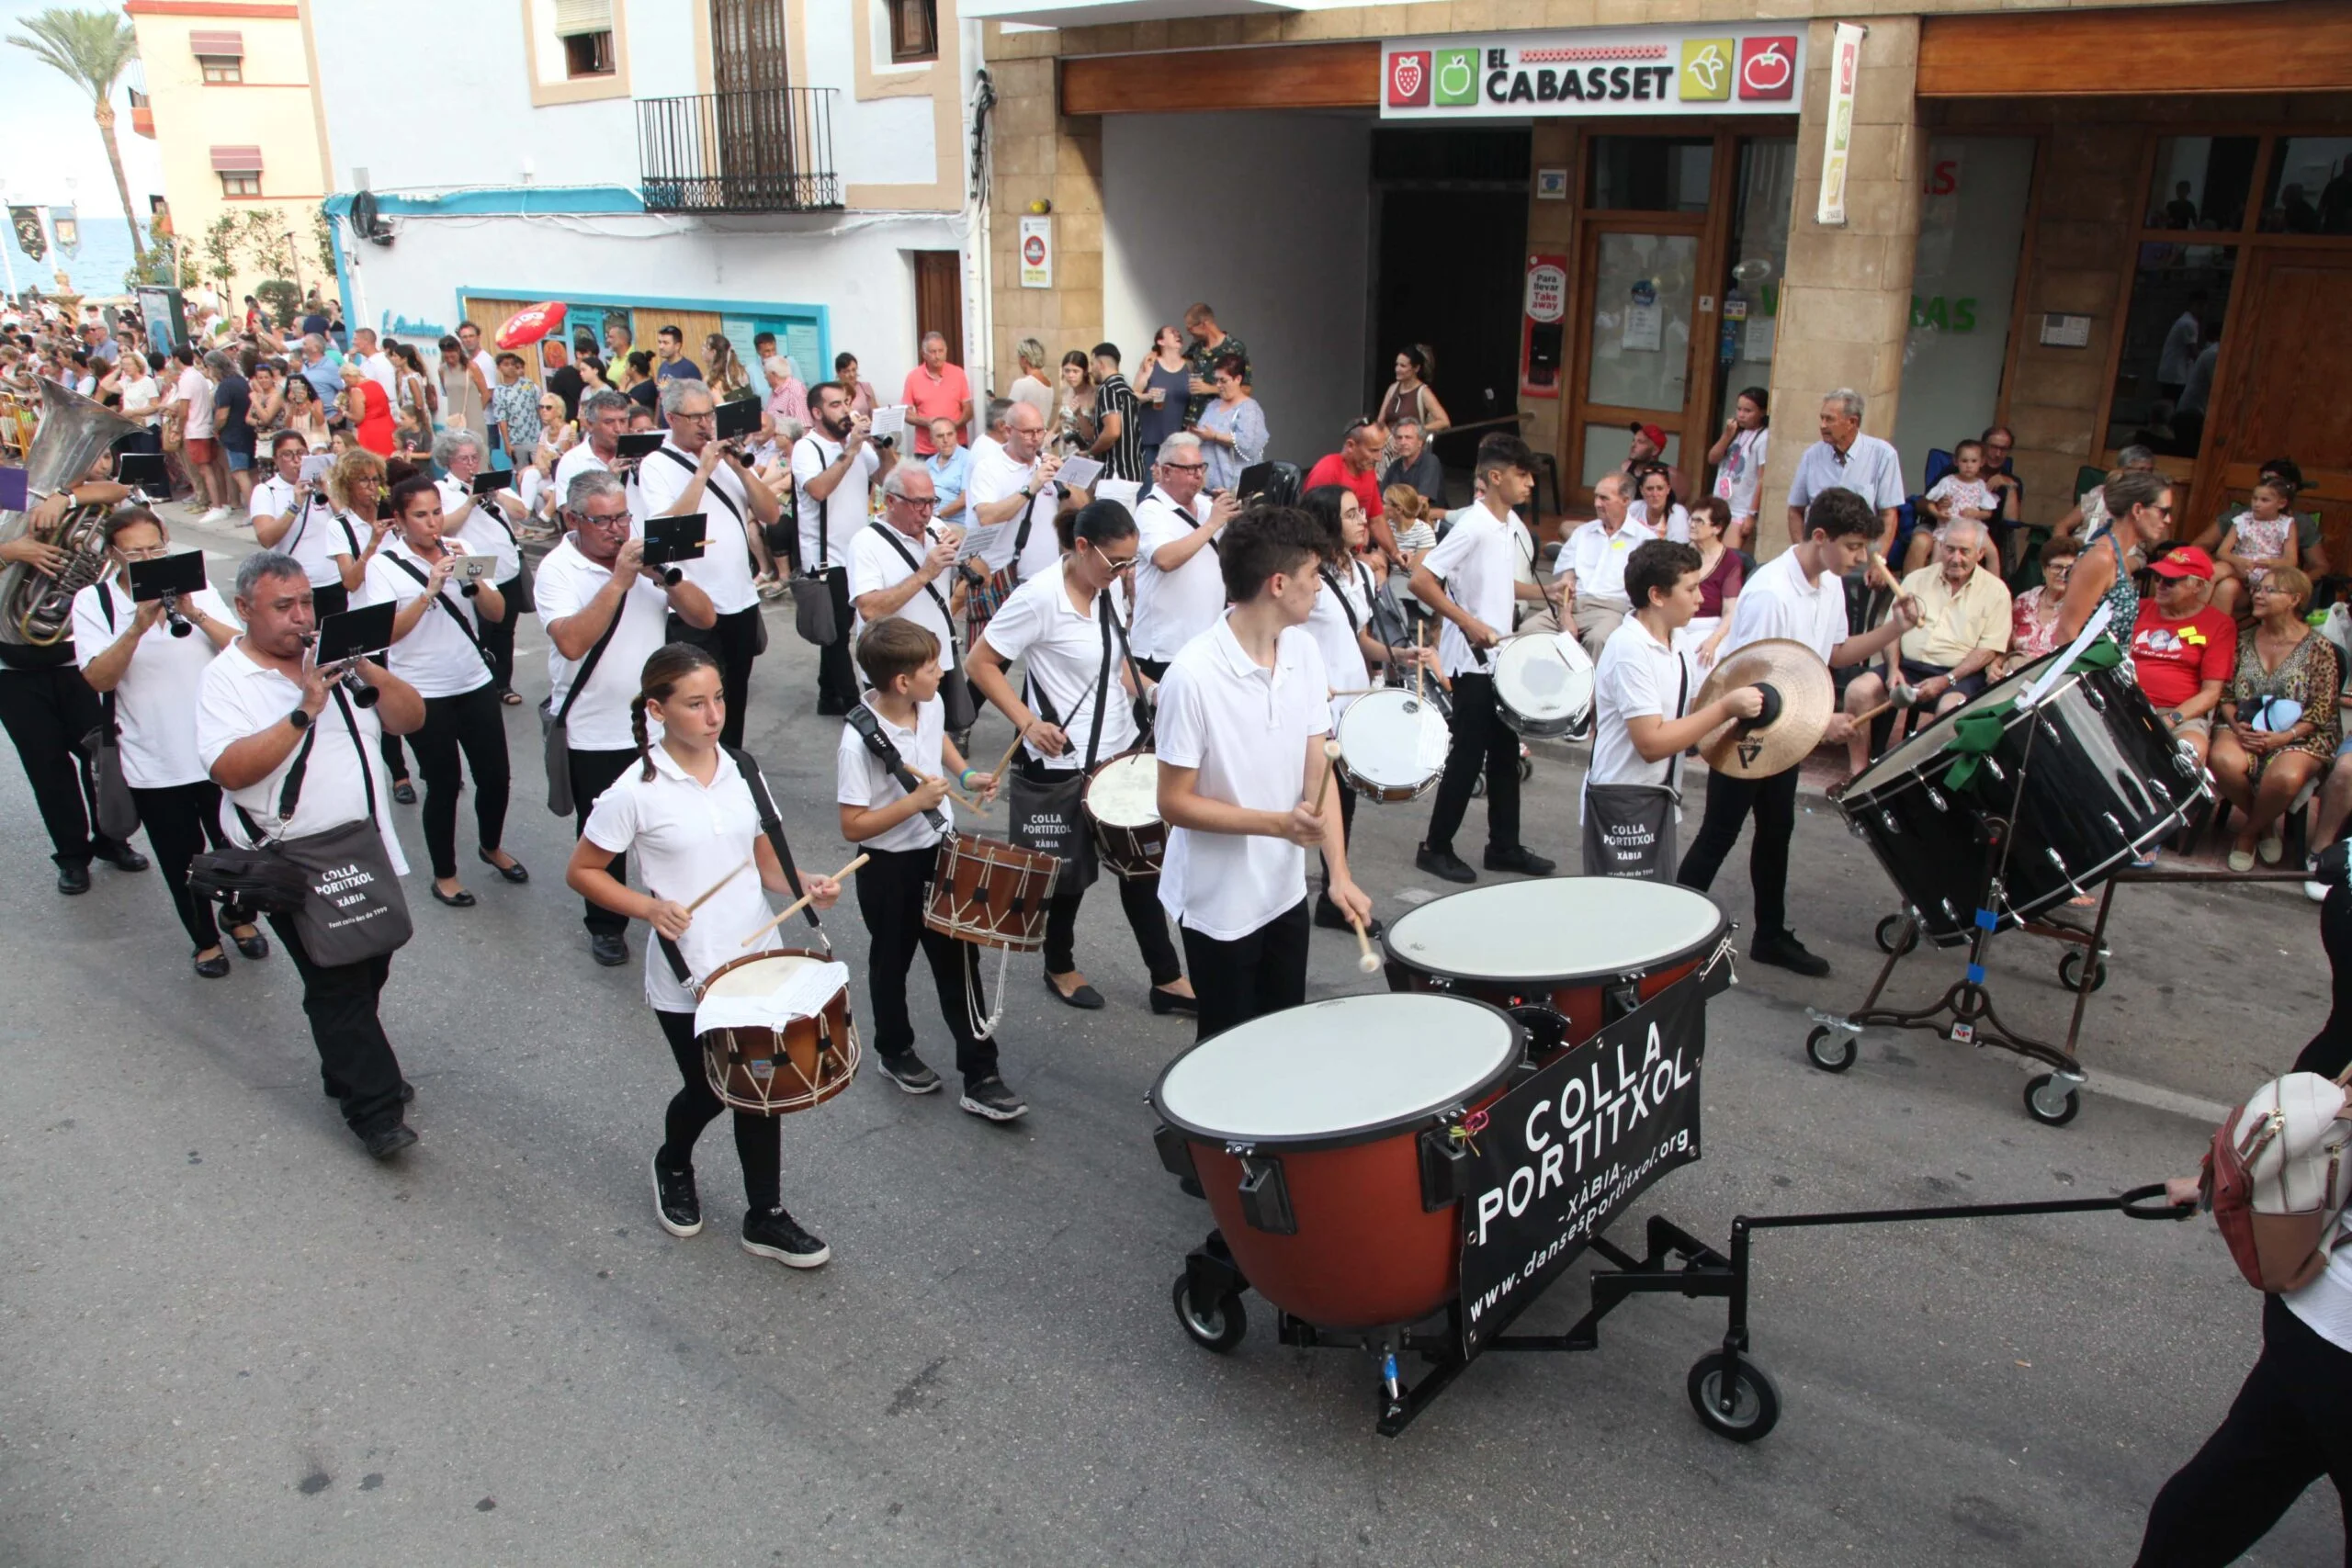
(687, 812)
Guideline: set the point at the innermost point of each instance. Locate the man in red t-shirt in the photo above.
(935, 389)
(1356, 465)
(2183, 650)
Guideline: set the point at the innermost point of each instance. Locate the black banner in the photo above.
(1562, 1153)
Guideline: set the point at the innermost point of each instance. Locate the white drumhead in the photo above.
(1336, 1066)
(1393, 739)
(1555, 928)
(764, 978)
(1543, 675)
(1126, 790)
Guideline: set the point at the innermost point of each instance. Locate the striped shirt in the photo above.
(1124, 458)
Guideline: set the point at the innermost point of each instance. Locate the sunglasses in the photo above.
(1114, 565)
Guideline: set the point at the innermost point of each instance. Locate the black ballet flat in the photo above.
(518, 872)
(256, 946)
(1166, 1001)
(1086, 998)
(213, 968)
(404, 791)
(460, 900)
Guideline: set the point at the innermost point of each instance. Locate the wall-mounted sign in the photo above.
(1845, 67)
(1551, 185)
(1036, 252)
(1543, 333)
(1594, 72)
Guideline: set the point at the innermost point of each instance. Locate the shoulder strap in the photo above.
(1104, 612)
(868, 725)
(588, 664)
(710, 487)
(770, 824)
(1346, 609)
(891, 535)
(289, 793)
(105, 700)
(1682, 710)
(457, 615)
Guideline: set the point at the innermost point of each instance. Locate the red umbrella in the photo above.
(531, 323)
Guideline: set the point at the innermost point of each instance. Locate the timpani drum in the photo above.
(802, 1051)
(1121, 801)
(1392, 745)
(991, 892)
(1564, 954)
(1543, 685)
(1309, 1129)
(2089, 781)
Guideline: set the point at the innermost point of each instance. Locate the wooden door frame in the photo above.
(2215, 473)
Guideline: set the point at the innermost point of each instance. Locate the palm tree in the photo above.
(94, 48)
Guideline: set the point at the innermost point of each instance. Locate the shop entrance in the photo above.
(2288, 293)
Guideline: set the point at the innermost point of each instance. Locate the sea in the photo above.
(96, 267)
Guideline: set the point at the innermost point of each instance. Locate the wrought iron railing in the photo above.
(767, 150)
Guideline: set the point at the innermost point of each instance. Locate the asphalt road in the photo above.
(229, 1337)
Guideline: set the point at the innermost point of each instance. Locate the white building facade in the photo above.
(734, 166)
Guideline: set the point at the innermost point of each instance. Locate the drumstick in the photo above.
(799, 903)
(1331, 766)
(1903, 698)
(1420, 636)
(712, 891)
(1366, 960)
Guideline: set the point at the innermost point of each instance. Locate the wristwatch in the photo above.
(1029, 492)
(300, 719)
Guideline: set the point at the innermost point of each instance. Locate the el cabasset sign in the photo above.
(1561, 1155)
(1617, 71)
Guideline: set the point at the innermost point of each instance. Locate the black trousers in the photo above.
(1252, 975)
(355, 1058)
(388, 746)
(1481, 739)
(498, 637)
(1153, 668)
(473, 722)
(836, 669)
(2285, 1430)
(333, 599)
(48, 712)
(592, 773)
(759, 1141)
(891, 887)
(734, 641)
(1729, 802)
(1140, 897)
(180, 821)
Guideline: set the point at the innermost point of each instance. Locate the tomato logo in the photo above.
(1408, 80)
(1767, 68)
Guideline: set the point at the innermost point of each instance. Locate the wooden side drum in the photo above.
(992, 893)
(1123, 803)
(784, 1066)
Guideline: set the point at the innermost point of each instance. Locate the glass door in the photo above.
(1639, 322)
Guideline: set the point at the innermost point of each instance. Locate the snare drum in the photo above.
(789, 1062)
(1310, 1131)
(1564, 956)
(1392, 745)
(992, 893)
(1543, 685)
(1123, 802)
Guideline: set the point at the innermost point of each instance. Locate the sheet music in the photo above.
(1078, 473)
(890, 423)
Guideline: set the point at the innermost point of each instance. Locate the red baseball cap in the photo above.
(2185, 561)
(1655, 435)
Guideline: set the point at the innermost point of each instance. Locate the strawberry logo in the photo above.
(1408, 80)
(1768, 67)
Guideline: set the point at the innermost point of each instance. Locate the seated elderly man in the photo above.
(2183, 649)
(1961, 627)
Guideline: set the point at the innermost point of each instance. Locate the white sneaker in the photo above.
(2315, 891)
(214, 515)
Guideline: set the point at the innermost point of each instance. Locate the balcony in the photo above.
(142, 116)
(765, 149)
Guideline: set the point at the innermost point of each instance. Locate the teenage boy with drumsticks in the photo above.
(1245, 779)
(901, 844)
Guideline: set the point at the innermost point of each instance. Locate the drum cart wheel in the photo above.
(1897, 933)
(2071, 967)
(1220, 1327)
(1733, 1396)
(1831, 1050)
(2051, 1099)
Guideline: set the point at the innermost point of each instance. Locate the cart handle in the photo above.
(2135, 1206)
(2133, 1203)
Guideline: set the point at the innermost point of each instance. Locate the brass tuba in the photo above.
(36, 607)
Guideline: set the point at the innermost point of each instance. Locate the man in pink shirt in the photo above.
(936, 389)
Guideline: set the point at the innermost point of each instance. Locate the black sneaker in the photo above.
(608, 950)
(75, 879)
(1783, 951)
(675, 1203)
(776, 1235)
(988, 1097)
(909, 1073)
(1330, 917)
(386, 1142)
(1443, 864)
(1520, 859)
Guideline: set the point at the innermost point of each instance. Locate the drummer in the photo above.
(687, 813)
(1343, 628)
(1798, 595)
(1244, 785)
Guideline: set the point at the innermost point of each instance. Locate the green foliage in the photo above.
(92, 49)
(220, 248)
(282, 301)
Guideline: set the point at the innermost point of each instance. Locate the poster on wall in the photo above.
(1613, 72)
(1845, 66)
(1644, 323)
(1036, 252)
(1544, 310)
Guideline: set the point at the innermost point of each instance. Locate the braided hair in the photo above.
(669, 665)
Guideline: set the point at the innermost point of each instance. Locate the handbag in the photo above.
(1045, 812)
(812, 588)
(954, 692)
(337, 887)
(555, 734)
(118, 808)
(1629, 828)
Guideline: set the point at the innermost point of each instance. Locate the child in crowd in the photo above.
(878, 812)
(1960, 493)
(1408, 512)
(2260, 537)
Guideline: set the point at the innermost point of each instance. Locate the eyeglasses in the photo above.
(589, 520)
(918, 503)
(147, 552)
(1184, 467)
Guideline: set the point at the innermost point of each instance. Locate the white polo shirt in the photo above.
(436, 657)
(318, 534)
(1474, 561)
(1245, 728)
(1174, 607)
(155, 703)
(485, 532)
(843, 511)
(1063, 648)
(860, 779)
(996, 476)
(724, 572)
(1335, 633)
(1598, 557)
(1779, 601)
(1637, 677)
(581, 459)
(599, 721)
(240, 697)
(686, 836)
(875, 565)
